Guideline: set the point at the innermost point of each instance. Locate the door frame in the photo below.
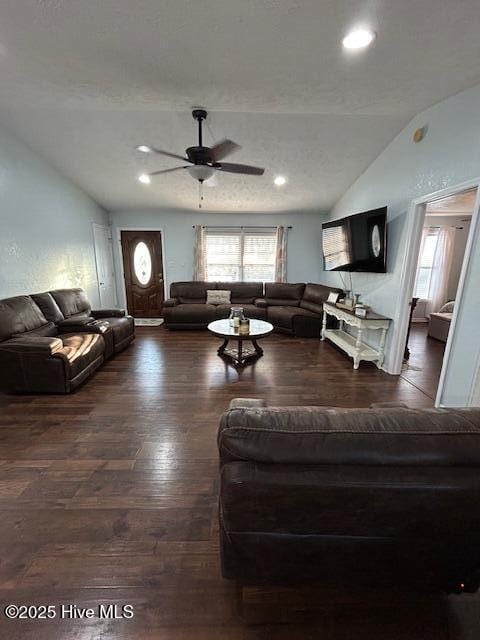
(97, 225)
(412, 240)
(122, 270)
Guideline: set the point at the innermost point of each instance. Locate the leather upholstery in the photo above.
(191, 292)
(282, 317)
(186, 313)
(374, 496)
(284, 294)
(107, 313)
(19, 314)
(282, 305)
(80, 350)
(250, 311)
(49, 342)
(123, 330)
(242, 292)
(41, 345)
(76, 308)
(72, 302)
(48, 306)
(315, 295)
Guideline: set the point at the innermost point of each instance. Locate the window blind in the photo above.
(243, 254)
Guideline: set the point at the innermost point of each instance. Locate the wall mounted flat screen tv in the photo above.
(356, 243)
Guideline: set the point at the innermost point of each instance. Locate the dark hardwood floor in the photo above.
(109, 496)
(425, 362)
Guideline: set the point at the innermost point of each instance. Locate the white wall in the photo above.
(46, 236)
(449, 155)
(304, 262)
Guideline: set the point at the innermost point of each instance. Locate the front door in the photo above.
(143, 272)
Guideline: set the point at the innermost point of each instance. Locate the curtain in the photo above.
(199, 272)
(441, 267)
(281, 255)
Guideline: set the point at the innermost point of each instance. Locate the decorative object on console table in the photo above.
(354, 347)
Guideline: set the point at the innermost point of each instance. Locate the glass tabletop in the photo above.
(258, 328)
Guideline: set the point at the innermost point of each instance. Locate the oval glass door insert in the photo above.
(142, 263)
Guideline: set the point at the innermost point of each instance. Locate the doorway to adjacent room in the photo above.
(444, 237)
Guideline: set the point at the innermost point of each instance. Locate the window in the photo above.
(425, 264)
(142, 263)
(240, 254)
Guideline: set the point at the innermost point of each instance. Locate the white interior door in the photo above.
(102, 237)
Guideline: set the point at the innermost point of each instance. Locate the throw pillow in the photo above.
(448, 307)
(218, 296)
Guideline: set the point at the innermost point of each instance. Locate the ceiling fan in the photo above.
(203, 161)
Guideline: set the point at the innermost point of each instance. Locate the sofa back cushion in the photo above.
(191, 292)
(21, 315)
(283, 294)
(72, 302)
(319, 435)
(315, 295)
(242, 292)
(48, 306)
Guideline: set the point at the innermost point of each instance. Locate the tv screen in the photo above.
(356, 243)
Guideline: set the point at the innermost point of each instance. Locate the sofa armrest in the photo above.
(261, 302)
(41, 345)
(171, 302)
(108, 313)
(69, 323)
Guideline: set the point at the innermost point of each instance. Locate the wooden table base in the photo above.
(240, 356)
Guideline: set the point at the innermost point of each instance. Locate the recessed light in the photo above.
(358, 39)
(144, 149)
(279, 180)
(144, 178)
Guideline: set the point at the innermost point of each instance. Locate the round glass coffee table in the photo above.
(240, 355)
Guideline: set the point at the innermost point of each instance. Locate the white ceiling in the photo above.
(84, 82)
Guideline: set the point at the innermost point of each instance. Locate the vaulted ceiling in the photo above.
(83, 83)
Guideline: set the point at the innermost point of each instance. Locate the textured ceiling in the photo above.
(84, 82)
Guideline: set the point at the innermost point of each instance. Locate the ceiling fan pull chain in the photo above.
(200, 193)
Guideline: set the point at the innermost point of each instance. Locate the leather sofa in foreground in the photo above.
(52, 342)
(377, 497)
(296, 309)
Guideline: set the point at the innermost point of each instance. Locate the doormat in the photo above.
(148, 322)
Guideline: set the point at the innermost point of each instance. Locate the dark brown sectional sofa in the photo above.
(52, 342)
(372, 497)
(296, 309)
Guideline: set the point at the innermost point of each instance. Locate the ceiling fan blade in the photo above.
(157, 173)
(240, 168)
(170, 155)
(223, 149)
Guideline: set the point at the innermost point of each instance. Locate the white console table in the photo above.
(353, 346)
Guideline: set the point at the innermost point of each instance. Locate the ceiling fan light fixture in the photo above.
(144, 178)
(144, 148)
(200, 171)
(358, 39)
